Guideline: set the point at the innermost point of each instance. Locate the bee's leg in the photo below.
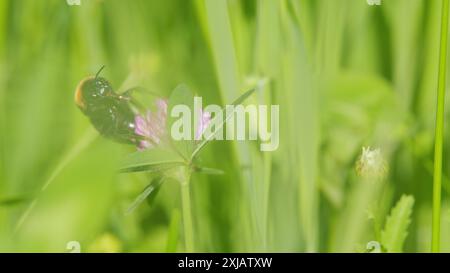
(130, 96)
(135, 90)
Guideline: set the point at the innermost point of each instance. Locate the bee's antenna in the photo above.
(98, 73)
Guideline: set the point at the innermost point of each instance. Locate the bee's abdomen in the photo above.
(114, 120)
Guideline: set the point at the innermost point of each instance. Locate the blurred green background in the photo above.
(345, 74)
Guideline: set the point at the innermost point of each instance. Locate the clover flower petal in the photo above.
(205, 119)
(152, 126)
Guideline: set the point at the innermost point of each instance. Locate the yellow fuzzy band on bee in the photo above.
(79, 94)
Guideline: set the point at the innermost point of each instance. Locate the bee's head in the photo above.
(90, 90)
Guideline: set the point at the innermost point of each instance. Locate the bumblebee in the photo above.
(109, 112)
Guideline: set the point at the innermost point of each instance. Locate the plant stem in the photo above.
(439, 133)
(187, 213)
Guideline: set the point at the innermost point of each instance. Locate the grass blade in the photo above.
(439, 134)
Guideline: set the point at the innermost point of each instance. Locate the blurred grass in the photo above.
(345, 75)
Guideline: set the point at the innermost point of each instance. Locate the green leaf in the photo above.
(152, 189)
(156, 159)
(181, 95)
(396, 228)
(210, 171)
(208, 138)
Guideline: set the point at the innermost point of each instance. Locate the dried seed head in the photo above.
(371, 164)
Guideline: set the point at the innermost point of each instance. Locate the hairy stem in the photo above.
(187, 213)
